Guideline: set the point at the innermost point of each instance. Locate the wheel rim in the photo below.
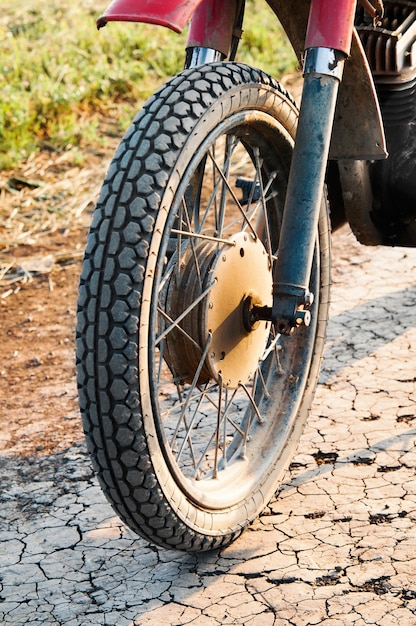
(222, 419)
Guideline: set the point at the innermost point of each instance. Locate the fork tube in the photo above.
(212, 26)
(327, 46)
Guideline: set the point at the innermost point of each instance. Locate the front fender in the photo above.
(173, 14)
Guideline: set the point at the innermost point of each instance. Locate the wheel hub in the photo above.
(241, 277)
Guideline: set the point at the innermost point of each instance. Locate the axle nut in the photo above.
(303, 318)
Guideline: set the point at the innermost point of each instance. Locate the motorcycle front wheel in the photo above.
(191, 409)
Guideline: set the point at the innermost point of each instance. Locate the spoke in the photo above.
(259, 165)
(189, 428)
(263, 382)
(191, 449)
(252, 402)
(252, 190)
(176, 380)
(202, 395)
(217, 183)
(217, 431)
(231, 190)
(190, 234)
(182, 417)
(166, 277)
(179, 246)
(192, 243)
(202, 456)
(209, 444)
(175, 323)
(270, 348)
(160, 365)
(200, 171)
(226, 411)
(211, 204)
(224, 437)
(230, 143)
(246, 431)
(250, 214)
(264, 198)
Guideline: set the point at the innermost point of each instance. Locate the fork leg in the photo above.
(327, 46)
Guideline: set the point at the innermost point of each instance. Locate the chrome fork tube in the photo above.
(199, 56)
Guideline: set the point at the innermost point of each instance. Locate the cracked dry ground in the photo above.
(336, 546)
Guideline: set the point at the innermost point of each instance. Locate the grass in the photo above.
(59, 77)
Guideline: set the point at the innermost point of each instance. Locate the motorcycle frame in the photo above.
(325, 35)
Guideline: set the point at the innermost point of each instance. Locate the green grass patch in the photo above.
(59, 76)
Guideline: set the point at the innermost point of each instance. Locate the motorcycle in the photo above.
(204, 292)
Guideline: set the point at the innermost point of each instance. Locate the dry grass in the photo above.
(30, 208)
(45, 195)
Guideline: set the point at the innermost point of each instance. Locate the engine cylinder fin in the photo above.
(397, 102)
(390, 45)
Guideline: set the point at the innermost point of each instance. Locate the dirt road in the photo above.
(338, 544)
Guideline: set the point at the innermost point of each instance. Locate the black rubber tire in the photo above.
(117, 312)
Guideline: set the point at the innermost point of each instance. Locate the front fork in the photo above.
(327, 45)
(291, 296)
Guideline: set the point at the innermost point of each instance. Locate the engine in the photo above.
(390, 46)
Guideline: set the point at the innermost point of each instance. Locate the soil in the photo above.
(38, 397)
(39, 412)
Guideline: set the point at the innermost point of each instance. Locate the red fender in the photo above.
(171, 13)
(330, 26)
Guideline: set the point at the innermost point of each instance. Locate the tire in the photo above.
(191, 414)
